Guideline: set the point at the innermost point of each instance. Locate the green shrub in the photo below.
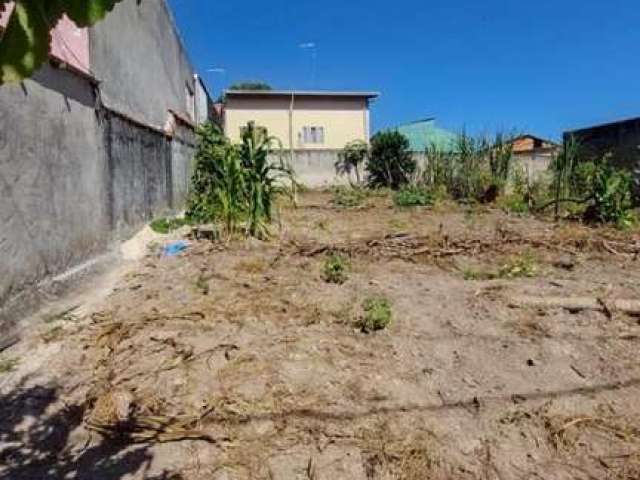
(377, 314)
(349, 197)
(390, 163)
(606, 191)
(413, 196)
(335, 269)
(168, 225)
(612, 197)
(514, 202)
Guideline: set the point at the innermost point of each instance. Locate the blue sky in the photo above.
(538, 66)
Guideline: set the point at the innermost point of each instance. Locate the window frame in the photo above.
(313, 135)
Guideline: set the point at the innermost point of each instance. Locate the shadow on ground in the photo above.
(34, 442)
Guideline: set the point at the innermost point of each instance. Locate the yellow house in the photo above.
(307, 120)
(317, 124)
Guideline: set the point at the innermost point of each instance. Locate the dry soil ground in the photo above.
(238, 361)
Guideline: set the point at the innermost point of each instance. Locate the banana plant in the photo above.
(26, 42)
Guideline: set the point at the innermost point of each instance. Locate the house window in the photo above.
(313, 135)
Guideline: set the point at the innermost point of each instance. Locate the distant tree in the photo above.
(251, 85)
(390, 164)
(257, 85)
(26, 42)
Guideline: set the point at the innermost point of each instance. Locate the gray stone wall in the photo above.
(82, 163)
(139, 173)
(75, 178)
(142, 65)
(53, 209)
(182, 161)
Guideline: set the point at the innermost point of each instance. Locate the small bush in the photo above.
(348, 197)
(168, 225)
(376, 314)
(390, 164)
(612, 190)
(523, 265)
(514, 202)
(336, 269)
(606, 191)
(413, 196)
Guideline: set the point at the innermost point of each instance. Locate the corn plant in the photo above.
(500, 158)
(264, 180)
(564, 169)
(229, 191)
(238, 184)
(208, 171)
(439, 167)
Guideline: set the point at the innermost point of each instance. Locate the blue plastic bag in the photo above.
(175, 248)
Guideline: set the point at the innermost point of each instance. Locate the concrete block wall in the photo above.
(140, 173)
(534, 164)
(84, 159)
(183, 148)
(314, 168)
(53, 189)
(74, 178)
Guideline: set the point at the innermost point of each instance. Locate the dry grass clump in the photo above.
(565, 433)
(620, 435)
(415, 458)
(8, 364)
(252, 266)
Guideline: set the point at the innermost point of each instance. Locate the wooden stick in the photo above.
(631, 307)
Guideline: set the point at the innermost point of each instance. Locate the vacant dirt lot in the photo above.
(239, 361)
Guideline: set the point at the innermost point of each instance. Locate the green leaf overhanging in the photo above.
(26, 42)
